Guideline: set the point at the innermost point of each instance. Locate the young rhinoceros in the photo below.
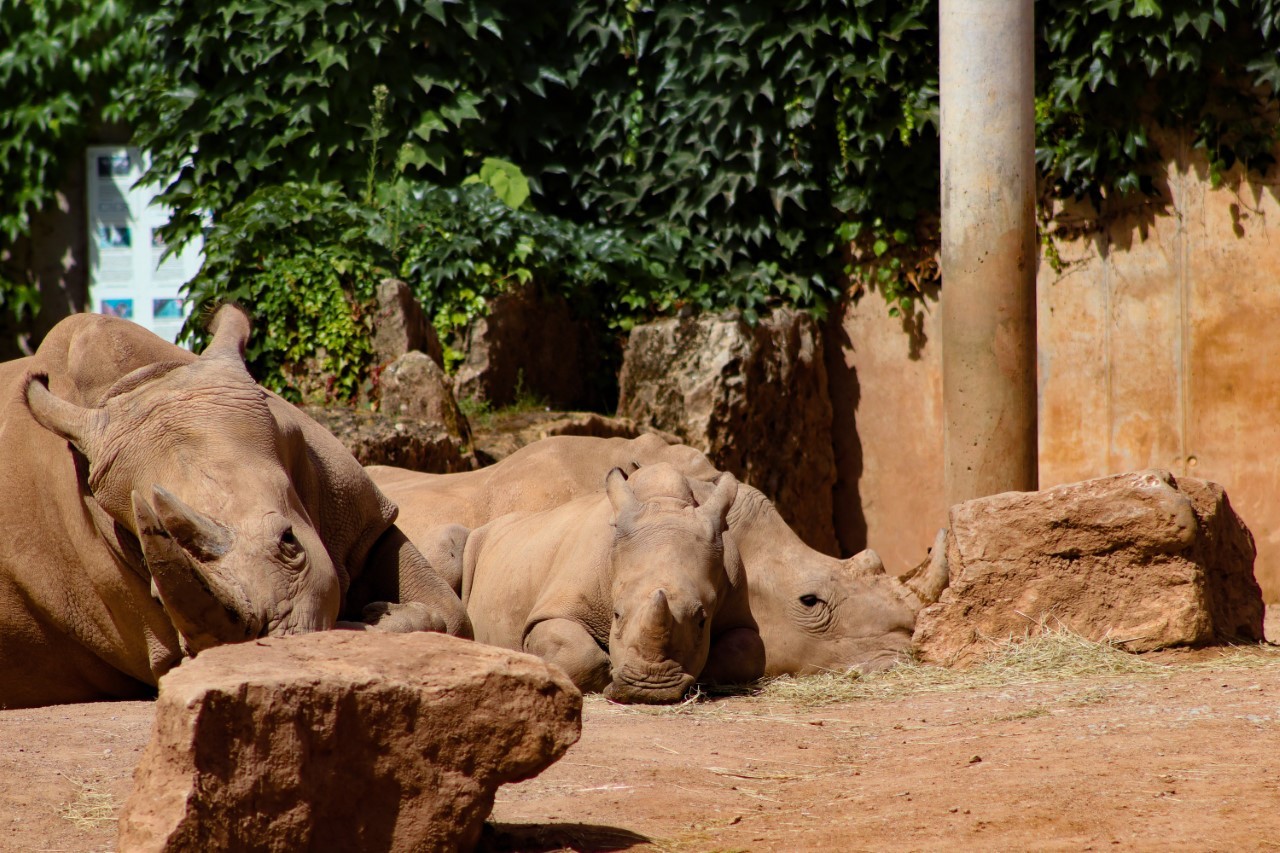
(154, 503)
(633, 591)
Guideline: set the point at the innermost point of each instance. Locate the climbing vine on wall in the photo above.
(749, 142)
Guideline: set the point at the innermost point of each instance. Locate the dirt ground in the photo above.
(1177, 760)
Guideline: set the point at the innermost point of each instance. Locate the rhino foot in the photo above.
(394, 618)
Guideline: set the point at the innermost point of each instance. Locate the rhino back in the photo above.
(76, 621)
(524, 568)
(86, 354)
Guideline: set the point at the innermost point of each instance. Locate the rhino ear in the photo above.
(716, 507)
(620, 495)
(76, 424)
(230, 328)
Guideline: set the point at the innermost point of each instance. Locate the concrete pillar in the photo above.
(989, 252)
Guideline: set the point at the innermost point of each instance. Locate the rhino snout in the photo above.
(632, 686)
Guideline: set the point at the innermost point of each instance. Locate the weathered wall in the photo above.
(886, 400)
(1159, 346)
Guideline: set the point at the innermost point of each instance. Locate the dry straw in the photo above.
(1049, 655)
(92, 806)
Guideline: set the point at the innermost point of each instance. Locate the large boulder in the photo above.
(527, 345)
(503, 433)
(400, 325)
(1142, 559)
(753, 398)
(343, 741)
(414, 386)
(377, 438)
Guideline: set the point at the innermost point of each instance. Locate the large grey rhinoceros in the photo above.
(815, 613)
(631, 590)
(154, 504)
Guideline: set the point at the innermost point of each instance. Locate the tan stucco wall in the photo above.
(1159, 346)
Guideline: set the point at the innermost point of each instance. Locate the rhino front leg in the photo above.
(396, 573)
(569, 645)
(736, 657)
(396, 618)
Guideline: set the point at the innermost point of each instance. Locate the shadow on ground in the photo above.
(548, 837)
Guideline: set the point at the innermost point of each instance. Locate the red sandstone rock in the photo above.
(400, 326)
(414, 386)
(754, 398)
(1140, 559)
(343, 741)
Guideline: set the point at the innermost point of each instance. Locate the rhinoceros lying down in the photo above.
(631, 590)
(153, 504)
(815, 613)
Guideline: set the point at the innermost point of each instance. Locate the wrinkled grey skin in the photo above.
(168, 504)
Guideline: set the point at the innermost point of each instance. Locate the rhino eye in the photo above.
(809, 600)
(289, 544)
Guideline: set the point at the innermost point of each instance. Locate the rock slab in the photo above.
(376, 438)
(754, 399)
(343, 741)
(527, 345)
(400, 325)
(1141, 559)
(414, 386)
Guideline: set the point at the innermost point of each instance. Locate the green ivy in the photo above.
(739, 149)
(256, 93)
(305, 260)
(1109, 71)
(302, 259)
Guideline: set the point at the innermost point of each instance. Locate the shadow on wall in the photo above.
(846, 349)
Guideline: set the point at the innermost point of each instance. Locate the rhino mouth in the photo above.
(633, 687)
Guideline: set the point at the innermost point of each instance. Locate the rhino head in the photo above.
(669, 577)
(187, 457)
(819, 614)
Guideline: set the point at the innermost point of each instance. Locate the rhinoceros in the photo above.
(631, 590)
(815, 613)
(154, 503)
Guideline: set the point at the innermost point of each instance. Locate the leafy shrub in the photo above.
(303, 260)
(306, 261)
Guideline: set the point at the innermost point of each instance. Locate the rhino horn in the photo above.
(927, 580)
(76, 424)
(621, 497)
(864, 564)
(654, 624)
(200, 603)
(716, 507)
(230, 329)
(200, 535)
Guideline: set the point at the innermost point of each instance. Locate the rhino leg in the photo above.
(568, 645)
(736, 657)
(443, 547)
(396, 571)
(397, 618)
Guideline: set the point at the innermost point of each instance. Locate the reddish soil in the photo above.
(1172, 762)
